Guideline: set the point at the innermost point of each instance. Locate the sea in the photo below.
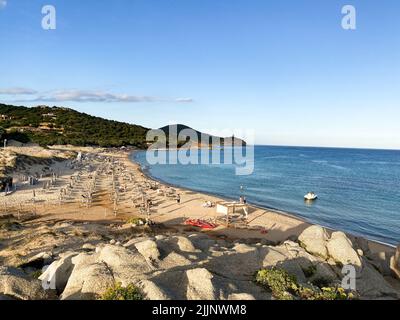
(358, 189)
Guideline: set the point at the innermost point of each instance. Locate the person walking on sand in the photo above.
(178, 199)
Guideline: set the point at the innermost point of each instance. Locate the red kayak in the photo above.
(200, 223)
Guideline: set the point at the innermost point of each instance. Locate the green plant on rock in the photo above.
(282, 285)
(326, 293)
(336, 293)
(285, 287)
(117, 292)
(136, 221)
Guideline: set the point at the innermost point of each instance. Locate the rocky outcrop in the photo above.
(337, 248)
(201, 241)
(238, 263)
(173, 260)
(93, 273)
(88, 281)
(126, 266)
(152, 291)
(195, 266)
(371, 285)
(314, 240)
(362, 244)
(341, 250)
(200, 286)
(163, 271)
(381, 262)
(185, 244)
(15, 284)
(149, 250)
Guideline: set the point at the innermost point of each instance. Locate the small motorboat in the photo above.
(311, 196)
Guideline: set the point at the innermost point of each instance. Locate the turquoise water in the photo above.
(359, 190)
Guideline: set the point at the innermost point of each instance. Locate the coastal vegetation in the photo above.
(284, 286)
(118, 292)
(136, 221)
(54, 125)
(46, 126)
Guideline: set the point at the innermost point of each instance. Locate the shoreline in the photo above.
(374, 243)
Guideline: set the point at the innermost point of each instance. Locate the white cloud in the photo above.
(16, 91)
(184, 100)
(86, 96)
(91, 96)
(3, 4)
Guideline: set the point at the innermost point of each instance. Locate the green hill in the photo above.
(203, 138)
(54, 125)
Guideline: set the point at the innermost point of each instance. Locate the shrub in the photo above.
(69, 127)
(333, 293)
(328, 293)
(117, 292)
(136, 221)
(282, 285)
(285, 287)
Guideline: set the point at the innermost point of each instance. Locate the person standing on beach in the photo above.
(178, 199)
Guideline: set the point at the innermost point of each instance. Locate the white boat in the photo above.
(310, 196)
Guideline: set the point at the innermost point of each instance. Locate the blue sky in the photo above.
(283, 68)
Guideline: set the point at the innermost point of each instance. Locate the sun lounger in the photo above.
(200, 223)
